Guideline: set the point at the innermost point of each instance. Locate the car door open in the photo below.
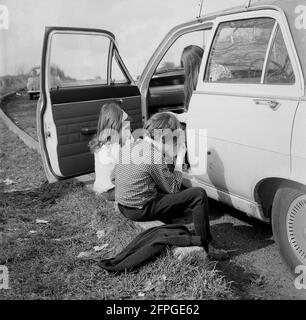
(81, 70)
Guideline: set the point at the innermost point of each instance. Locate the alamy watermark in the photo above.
(300, 280)
(4, 277)
(172, 144)
(4, 17)
(300, 21)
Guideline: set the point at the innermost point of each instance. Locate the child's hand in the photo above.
(181, 152)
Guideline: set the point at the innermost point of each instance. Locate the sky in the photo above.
(139, 26)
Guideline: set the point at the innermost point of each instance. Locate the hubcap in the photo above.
(296, 227)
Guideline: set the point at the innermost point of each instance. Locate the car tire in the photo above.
(289, 225)
(31, 96)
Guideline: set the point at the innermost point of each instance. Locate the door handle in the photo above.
(273, 104)
(88, 130)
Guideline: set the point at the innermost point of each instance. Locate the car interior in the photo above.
(166, 92)
(76, 106)
(166, 87)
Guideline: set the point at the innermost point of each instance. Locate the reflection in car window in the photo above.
(172, 59)
(239, 51)
(78, 60)
(279, 68)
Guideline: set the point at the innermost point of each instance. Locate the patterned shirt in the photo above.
(138, 181)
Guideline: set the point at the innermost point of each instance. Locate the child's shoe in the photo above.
(181, 252)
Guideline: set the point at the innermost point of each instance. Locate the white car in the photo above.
(255, 113)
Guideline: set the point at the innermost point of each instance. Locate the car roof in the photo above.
(289, 9)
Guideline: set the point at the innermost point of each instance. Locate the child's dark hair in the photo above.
(110, 123)
(162, 121)
(191, 61)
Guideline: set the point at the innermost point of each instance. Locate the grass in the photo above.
(42, 258)
(44, 265)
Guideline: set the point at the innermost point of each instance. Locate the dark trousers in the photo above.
(165, 207)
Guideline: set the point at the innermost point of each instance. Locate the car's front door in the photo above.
(246, 98)
(81, 70)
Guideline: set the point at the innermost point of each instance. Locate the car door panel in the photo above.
(89, 93)
(68, 113)
(246, 142)
(71, 119)
(166, 96)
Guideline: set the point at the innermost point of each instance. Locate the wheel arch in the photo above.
(265, 190)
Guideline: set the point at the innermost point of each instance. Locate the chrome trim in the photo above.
(271, 41)
(230, 94)
(109, 62)
(86, 101)
(123, 68)
(273, 104)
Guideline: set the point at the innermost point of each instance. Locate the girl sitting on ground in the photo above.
(113, 131)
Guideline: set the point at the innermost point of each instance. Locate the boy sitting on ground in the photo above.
(147, 190)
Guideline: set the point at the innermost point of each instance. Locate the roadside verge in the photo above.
(27, 139)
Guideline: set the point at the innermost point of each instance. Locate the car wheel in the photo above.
(31, 96)
(289, 225)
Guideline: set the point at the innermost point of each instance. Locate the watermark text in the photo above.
(300, 280)
(4, 17)
(300, 21)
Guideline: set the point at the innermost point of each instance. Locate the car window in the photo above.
(279, 67)
(172, 59)
(239, 50)
(117, 75)
(78, 60)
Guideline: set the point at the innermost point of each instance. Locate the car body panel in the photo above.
(251, 208)
(298, 152)
(257, 143)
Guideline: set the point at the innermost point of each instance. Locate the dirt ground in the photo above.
(256, 271)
